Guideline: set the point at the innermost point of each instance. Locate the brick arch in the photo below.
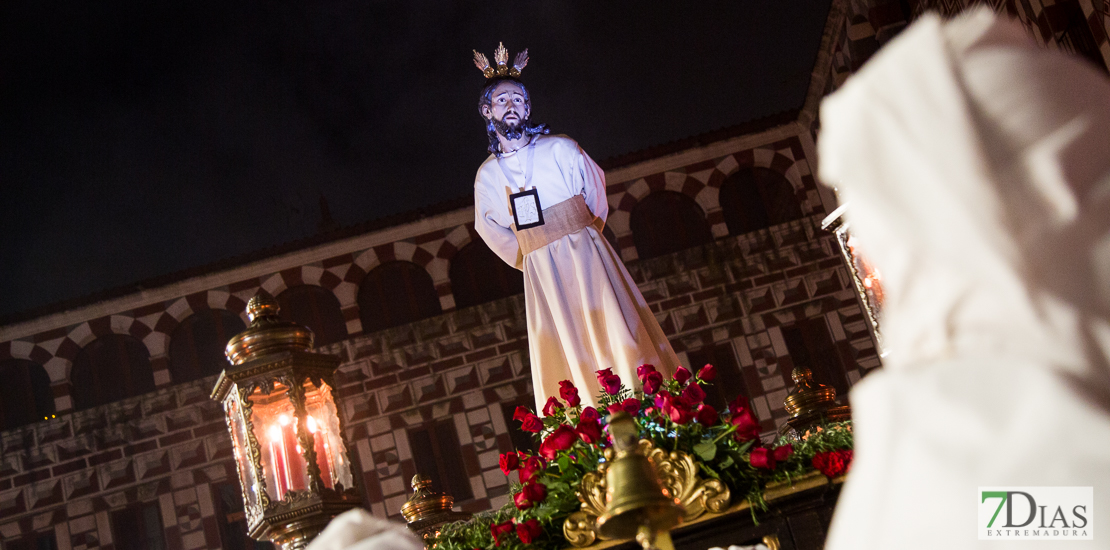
(314, 275)
(19, 349)
(667, 181)
(435, 262)
(183, 307)
(84, 333)
(766, 158)
(57, 367)
(620, 215)
(80, 335)
(400, 250)
(456, 239)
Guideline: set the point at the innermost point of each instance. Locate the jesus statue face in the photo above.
(508, 109)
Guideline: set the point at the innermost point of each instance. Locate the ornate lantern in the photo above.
(865, 278)
(283, 415)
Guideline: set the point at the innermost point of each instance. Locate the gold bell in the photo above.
(637, 504)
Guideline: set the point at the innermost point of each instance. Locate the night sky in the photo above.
(142, 138)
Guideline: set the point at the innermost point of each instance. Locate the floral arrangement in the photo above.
(673, 415)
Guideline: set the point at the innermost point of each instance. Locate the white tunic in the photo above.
(976, 168)
(584, 310)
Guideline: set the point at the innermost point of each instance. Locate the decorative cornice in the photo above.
(830, 37)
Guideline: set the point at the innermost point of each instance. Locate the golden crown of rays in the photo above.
(501, 59)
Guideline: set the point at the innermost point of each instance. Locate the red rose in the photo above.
(747, 427)
(707, 373)
(643, 370)
(520, 500)
(661, 398)
(681, 375)
(500, 529)
(677, 409)
(521, 413)
(611, 383)
(509, 462)
(552, 406)
(614, 408)
(590, 432)
(707, 415)
(833, 463)
(569, 393)
(589, 414)
(535, 492)
(738, 404)
(529, 531)
(782, 453)
(652, 381)
(532, 423)
(693, 394)
(762, 458)
(530, 467)
(603, 372)
(560, 440)
(631, 406)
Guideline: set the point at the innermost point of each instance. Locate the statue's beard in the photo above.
(499, 129)
(510, 131)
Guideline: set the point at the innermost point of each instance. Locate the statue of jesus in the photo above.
(540, 205)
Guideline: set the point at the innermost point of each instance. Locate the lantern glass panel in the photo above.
(239, 439)
(275, 427)
(870, 278)
(323, 423)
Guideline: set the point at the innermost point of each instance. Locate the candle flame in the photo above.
(275, 433)
(283, 420)
(311, 425)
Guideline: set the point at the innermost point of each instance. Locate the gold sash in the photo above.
(565, 218)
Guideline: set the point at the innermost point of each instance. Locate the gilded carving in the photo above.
(230, 411)
(306, 440)
(255, 448)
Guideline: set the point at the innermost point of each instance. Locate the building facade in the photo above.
(110, 439)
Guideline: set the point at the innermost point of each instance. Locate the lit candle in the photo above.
(323, 458)
(279, 461)
(294, 464)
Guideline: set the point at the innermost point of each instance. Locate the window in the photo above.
(233, 520)
(110, 368)
(396, 293)
(197, 345)
(138, 527)
(811, 346)
(316, 308)
(730, 380)
(479, 276)
(436, 451)
(25, 395)
(666, 222)
(756, 198)
(34, 541)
